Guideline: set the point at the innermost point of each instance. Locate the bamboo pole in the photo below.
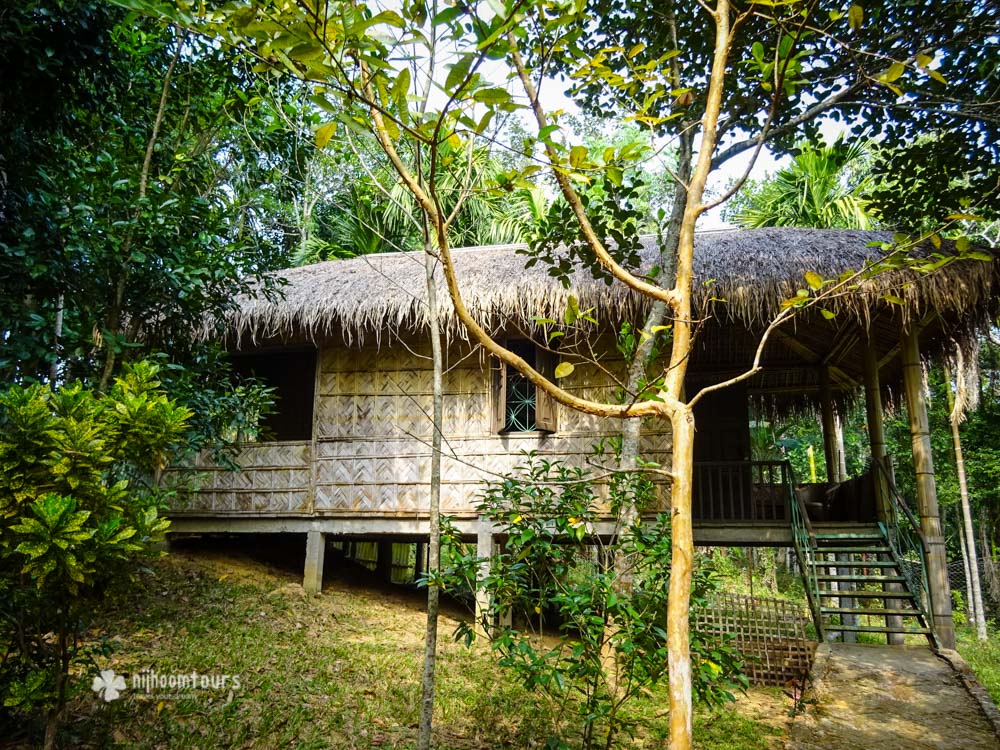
(829, 426)
(927, 502)
(876, 440)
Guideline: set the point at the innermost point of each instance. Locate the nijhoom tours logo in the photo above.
(148, 683)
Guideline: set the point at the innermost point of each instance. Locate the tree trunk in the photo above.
(679, 601)
(970, 605)
(969, 550)
(989, 567)
(56, 335)
(434, 548)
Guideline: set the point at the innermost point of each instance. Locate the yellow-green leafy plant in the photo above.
(79, 505)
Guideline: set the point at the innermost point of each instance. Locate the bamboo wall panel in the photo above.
(372, 430)
(275, 478)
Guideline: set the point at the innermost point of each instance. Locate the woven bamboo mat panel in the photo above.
(770, 634)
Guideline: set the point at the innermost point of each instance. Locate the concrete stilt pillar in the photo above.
(383, 560)
(312, 580)
(484, 551)
(927, 501)
(419, 561)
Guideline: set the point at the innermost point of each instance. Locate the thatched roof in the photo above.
(745, 274)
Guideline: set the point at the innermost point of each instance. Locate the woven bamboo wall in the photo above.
(371, 448)
(373, 430)
(275, 478)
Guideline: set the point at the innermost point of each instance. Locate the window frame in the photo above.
(546, 407)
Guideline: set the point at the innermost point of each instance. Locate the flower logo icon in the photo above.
(108, 685)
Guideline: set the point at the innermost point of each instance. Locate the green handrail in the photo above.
(908, 544)
(805, 547)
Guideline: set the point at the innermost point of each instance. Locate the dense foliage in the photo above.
(584, 621)
(79, 504)
(921, 78)
(139, 166)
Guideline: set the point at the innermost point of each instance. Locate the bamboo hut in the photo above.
(343, 343)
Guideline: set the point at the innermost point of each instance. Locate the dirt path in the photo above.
(881, 698)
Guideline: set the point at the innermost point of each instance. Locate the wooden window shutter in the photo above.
(498, 396)
(546, 407)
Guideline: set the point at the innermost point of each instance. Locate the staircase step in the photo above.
(863, 594)
(865, 549)
(846, 526)
(870, 612)
(874, 629)
(853, 564)
(858, 536)
(861, 579)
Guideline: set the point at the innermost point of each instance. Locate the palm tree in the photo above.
(373, 215)
(824, 187)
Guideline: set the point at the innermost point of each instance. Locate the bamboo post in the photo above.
(832, 437)
(829, 426)
(927, 502)
(876, 440)
(876, 428)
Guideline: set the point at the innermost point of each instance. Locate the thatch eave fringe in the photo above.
(741, 275)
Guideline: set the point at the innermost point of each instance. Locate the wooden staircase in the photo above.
(860, 558)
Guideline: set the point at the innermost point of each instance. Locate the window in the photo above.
(293, 377)
(518, 405)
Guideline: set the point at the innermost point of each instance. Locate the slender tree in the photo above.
(958, 404)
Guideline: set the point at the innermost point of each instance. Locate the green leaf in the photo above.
(401, 88)
(578, 156)
(963, 217)
(448, 15)
(34, 550)
(492, 96)
(324, 133)
(564, 369)
(545, 133)
(937, 77)
(893, 299)
(572, 313)
(856, 17)
(827, 314)
(893, 73)
(458, 73)
(814, 280)
(962, 244)
(785, 45)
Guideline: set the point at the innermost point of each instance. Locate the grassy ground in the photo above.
(340, 670)
(983, 657)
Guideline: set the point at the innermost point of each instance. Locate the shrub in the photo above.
(606, 606)
(79, 503)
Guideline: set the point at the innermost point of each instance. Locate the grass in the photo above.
(983, 657)
(336, 671)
